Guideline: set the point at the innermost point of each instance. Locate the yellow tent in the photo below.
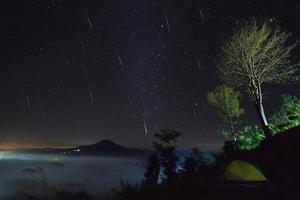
(239, 170)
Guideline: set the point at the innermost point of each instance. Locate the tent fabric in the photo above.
(239, 170)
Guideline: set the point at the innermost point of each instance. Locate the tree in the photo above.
(226, 102)
(250, 137)
(258, 54)
(288, 116)
(194, 165)
(152, 172)
(166, 147)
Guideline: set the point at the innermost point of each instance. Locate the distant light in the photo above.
(179, 169)
(77, 150)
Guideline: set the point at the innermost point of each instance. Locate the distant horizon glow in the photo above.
(21, 146)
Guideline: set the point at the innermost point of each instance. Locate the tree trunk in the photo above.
(232, 130)
(257, 94)
(235, 145)
(263, 119)
(233, 133)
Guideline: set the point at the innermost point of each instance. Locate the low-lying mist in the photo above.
(39, 173)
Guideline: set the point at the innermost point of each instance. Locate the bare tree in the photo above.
(258, 54)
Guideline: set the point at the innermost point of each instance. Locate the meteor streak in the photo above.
(28, 102)
(91, 94)
(201, 14)
(167, 22)
(119, 58)
(145, 128)
(198, 62)
(89, 21)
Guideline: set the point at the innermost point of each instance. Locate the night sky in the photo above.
(78, 71)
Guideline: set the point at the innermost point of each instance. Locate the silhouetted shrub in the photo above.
(168, 159)
(67, 195)
(24, 196)
(152, 172)
(128, 191)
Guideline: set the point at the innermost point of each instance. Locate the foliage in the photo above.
(194, 167)
(67, 195)
(288, 115)
(250, 137)
(168, 159)
(193, 162)
(256, 54)
(129, 191)
(226, 102)
(200, 170)
(24, 196)
(168, 136)
(199, 157)
(152, 172)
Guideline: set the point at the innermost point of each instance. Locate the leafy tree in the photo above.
(199, 157)
(250, 137)
(190, 167)
(226, 102)
(166, 147)
(257, 54)
(128, 191)
(152, 172)
(195, 166)
(190, 171)
(288, 116)
(193, 162)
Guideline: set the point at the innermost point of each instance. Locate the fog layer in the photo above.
(39, 174)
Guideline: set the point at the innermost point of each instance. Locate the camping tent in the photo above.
(239, 170)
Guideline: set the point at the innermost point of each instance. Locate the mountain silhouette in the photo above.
(107, 148)
(102, 146)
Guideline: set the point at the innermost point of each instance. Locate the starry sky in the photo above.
(79, 71)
